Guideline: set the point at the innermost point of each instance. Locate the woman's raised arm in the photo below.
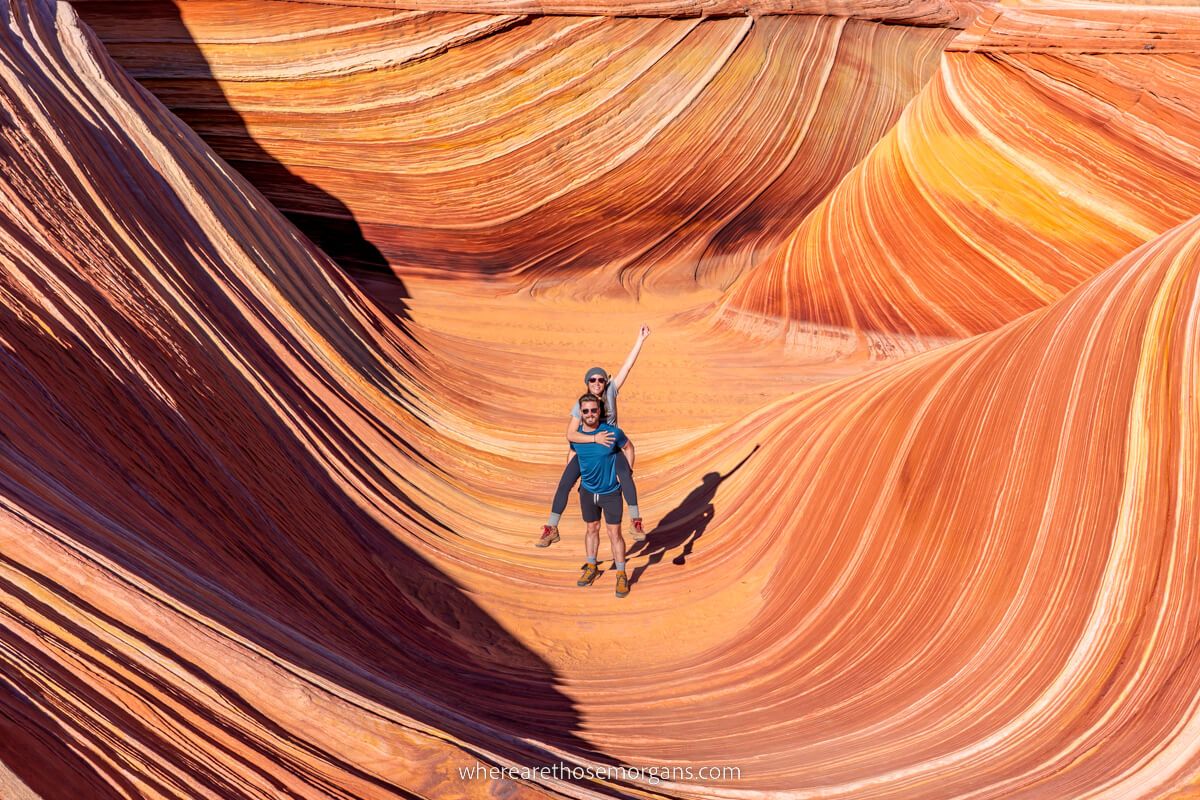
(633, 354)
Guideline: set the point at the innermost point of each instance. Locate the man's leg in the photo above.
(591, 540)
(612, 518)
(616, 542)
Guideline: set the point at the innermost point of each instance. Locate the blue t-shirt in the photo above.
(597, 463)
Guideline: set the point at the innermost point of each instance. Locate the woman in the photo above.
(599, 384)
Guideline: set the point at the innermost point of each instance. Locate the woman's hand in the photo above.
(619, 380)
(604, 437)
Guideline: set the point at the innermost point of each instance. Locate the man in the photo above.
(599, 489)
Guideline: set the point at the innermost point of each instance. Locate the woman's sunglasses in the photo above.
(597, 380)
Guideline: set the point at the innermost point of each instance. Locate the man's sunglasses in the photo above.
(589, 411)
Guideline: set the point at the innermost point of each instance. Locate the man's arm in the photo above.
(579, 437)
(627, 449)
(633, 354)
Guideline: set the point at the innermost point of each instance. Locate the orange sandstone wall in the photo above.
(639, 152)
(261, 536)
(1134, 26)
(191, 605)
(952, 13)
(1009, 180)
(978, 567)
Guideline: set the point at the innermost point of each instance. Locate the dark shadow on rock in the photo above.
(220, 507)
(37, 750)
(682, 525)
(196, 472)
(320, 216)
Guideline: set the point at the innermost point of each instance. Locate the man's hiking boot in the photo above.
(636, 530)
(549, 536)
(622, 584)
(590, 571)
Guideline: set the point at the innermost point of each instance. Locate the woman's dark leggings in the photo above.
(571, 475)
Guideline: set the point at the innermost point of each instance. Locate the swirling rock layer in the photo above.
(953, 13)
(1031, 172)
(266, 531)
(1085, 26)
(656, 152)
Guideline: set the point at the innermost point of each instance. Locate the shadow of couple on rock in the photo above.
(683, 525)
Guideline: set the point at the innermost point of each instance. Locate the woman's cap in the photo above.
(595, 371)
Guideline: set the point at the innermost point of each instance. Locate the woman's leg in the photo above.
(628, 488)
(568, 480)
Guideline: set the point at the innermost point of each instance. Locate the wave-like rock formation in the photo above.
(1031, 172)
(639, 151)
(950, 13)
(977, 567)
(1085, 26)
(265, 531)
(205, 589)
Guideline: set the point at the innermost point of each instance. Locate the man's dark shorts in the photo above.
(591, 504)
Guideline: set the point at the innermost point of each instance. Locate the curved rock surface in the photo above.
(952, 13)
(656, 152)
(1031, 172)
(266, 531)
(1085, 26)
